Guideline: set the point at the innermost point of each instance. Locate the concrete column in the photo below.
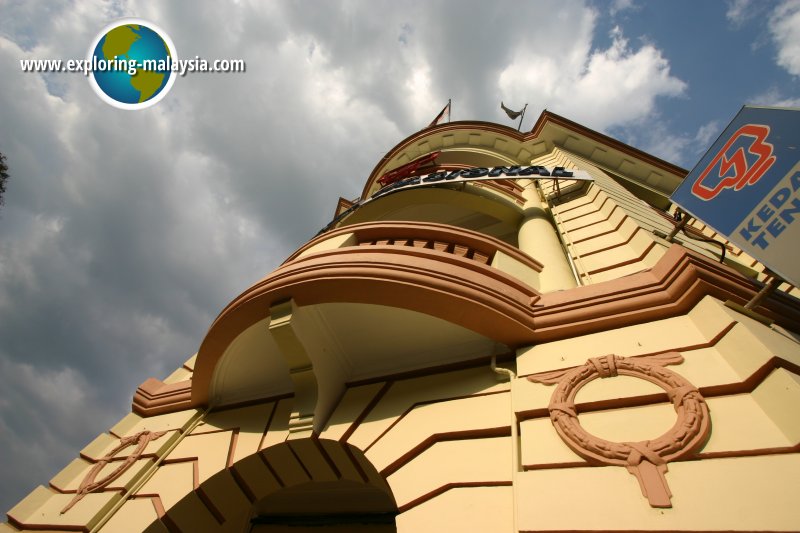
(537, 237)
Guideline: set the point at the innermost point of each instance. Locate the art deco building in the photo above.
(530, 354)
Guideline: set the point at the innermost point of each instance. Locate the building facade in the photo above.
(529, 354)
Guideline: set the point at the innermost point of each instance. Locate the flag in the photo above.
(513, 115)
(440, 116)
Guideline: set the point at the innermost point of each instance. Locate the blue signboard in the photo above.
(747, 187)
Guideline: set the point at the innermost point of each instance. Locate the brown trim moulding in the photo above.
(425, 230)
(462, 291)
(672, 287)
(154, 397)
(342, 205)
(449, 486)
(544, 119)
(473, 295)
(380, 168)
(550, 117)
(467, 434)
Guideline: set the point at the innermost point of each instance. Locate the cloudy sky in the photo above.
(124, 232)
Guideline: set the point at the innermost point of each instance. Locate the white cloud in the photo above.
(707, 133)
(683, 149)
(775, 98)
(601, 89)
(739, 11)
(785, 28)
(621, 5)
(418, 86)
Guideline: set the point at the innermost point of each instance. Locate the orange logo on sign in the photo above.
(746, 154)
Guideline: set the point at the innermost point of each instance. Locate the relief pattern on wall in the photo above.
(647, 460)
(90, 484)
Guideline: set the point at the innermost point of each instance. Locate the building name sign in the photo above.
(774, 215)
(483, 173)
(448, 177)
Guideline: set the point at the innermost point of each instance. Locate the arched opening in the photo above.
(329, 506)
(312, 484)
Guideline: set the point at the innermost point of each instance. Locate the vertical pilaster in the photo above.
(537, 237)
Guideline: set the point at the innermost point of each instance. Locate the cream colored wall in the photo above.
(605, 242)
(442, 443)
(610, 232)
(754, 435)
(747, 469)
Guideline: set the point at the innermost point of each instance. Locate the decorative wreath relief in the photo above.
(647, 460)
(141, 439)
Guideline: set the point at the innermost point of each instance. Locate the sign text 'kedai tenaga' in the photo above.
(747, 187)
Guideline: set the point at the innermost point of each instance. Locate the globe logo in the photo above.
(132, 64)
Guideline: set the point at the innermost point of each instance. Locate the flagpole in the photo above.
(440, 116)
(450, 110)
(519, 128)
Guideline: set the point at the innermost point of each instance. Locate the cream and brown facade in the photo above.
(515, 355)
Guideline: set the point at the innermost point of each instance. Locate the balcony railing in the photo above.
(442, 238)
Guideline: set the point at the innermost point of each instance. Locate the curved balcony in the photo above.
(403, 272)
(361, 312)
